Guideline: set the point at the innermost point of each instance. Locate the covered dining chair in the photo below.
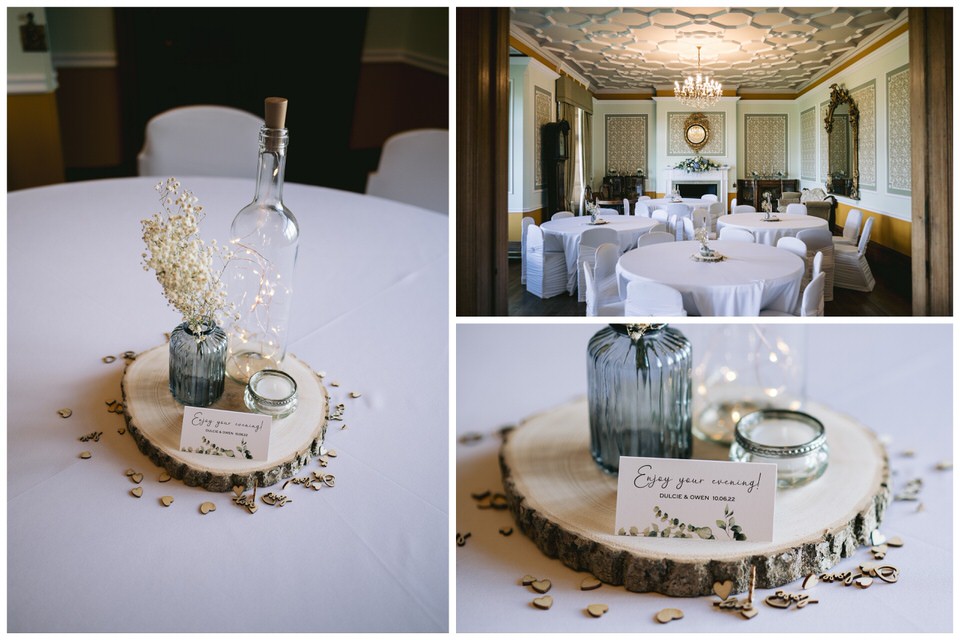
(678, 209)
(647, 298)
(811, 302)
(641, 209)
(560, 215)
(819, 241)
(626, 206)
(601, 211)
(201, 140)
(851, 228)
(702, 217)
(743, 208)
(524, 223)
(796, 209)
(660, 215)
(794, 246)
(709, 197)
(716, 210)
(655, 237)
(737, 234)
(546, 270)
(413, 169)
(602, 300)
(852, 268)
(590, 241)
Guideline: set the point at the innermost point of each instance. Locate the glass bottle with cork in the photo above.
(265, 238)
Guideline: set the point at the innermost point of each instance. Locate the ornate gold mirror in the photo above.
(842, 123)
(696, 131)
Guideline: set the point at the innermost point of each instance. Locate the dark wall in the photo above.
(237, 57)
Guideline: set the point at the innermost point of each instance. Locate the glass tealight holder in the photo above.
(794, 441)
(271, 392)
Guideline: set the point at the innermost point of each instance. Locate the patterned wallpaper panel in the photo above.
(808, 144)
(716, 145)
(765, 143)
(898, 131)
(625, 139)
(824, 142)
(542, 114)
(866, 98)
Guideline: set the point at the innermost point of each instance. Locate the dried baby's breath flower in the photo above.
(189, 271)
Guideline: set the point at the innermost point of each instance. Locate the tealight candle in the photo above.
(794, 441)
(271, 392)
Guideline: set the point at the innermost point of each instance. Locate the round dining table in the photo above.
(690, 203)
(569, 231)
(370, 315)
(769, 231)
(751, 277)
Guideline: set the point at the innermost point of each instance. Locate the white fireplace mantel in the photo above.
(718, 177)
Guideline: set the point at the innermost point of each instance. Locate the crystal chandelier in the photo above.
(700, 92)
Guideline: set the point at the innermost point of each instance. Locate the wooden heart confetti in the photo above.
(749, 613)
(543, 602)
(597, 610)
(666, 615)
(506, 532)
(863, 582)
(85, 455)
(165, 477)
(136, 477)
(877, 538)
(136, 492)
(354, 394)
(895, 541)
(166, 501)
(541, 586)
(65, 413)
(723, 589)
(527, 580)
(238, 490)
(207, 507)
(589, 584)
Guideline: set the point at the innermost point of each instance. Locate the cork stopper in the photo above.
(275, 112)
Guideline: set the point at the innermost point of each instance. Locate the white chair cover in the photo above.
(819, 240)
(709, 197)
(655, 237)
(852, 269)
(644, 198)
(678, 209)
(601, 303)
(203, 140)
(794, 245)
(735, 233)
(702, 217)
(546, 270)
(414, 169)
(605, 269)
(811, 302)
(688, 231)
(733, 203)
(851, 228)
(641, 209)
(716, 210)
(743, 208)
(817, 263)
(674, 227)
(647, 298)
(661, 215)
(560, 215)
(796, 209)
(626, 206)
(660, 226)
(607, 212)
(524, 223)
(589, 241)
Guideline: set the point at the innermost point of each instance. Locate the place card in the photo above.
(225, 433)
(695, 499)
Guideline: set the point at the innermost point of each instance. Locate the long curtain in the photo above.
(587, 146)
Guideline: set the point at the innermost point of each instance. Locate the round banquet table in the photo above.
(846, 371)
(769, 232)
(750, 274)
(569, 230)
(661, 203)
(370, 311)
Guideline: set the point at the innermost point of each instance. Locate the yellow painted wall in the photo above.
(34, 156)
(889, 232)
(516, 219)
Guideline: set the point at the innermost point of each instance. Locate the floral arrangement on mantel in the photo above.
(189, 271)
(697, 164)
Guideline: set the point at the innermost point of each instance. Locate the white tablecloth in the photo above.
(718, 288)
(691, 203)
(569, 230)
(904, 394)
(370, 309)
(770, 232)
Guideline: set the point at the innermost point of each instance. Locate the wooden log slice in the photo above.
(154, 420)
(563, 501)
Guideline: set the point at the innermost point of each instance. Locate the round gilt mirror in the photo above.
(696, 131)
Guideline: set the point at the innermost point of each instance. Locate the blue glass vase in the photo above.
(639, 393)
(197, 364)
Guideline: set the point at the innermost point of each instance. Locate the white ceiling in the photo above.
(768, 49)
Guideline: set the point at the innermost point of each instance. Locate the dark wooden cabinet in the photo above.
(615, 188)
(751, 190)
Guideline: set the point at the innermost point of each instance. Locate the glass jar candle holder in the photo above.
(795, 441)
(271, 392)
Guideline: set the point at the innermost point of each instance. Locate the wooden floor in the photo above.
(890, 297)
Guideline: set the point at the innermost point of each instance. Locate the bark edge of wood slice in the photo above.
(154, 420)
(562, 500)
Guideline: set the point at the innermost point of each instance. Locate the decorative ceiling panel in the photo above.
(750, 48)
